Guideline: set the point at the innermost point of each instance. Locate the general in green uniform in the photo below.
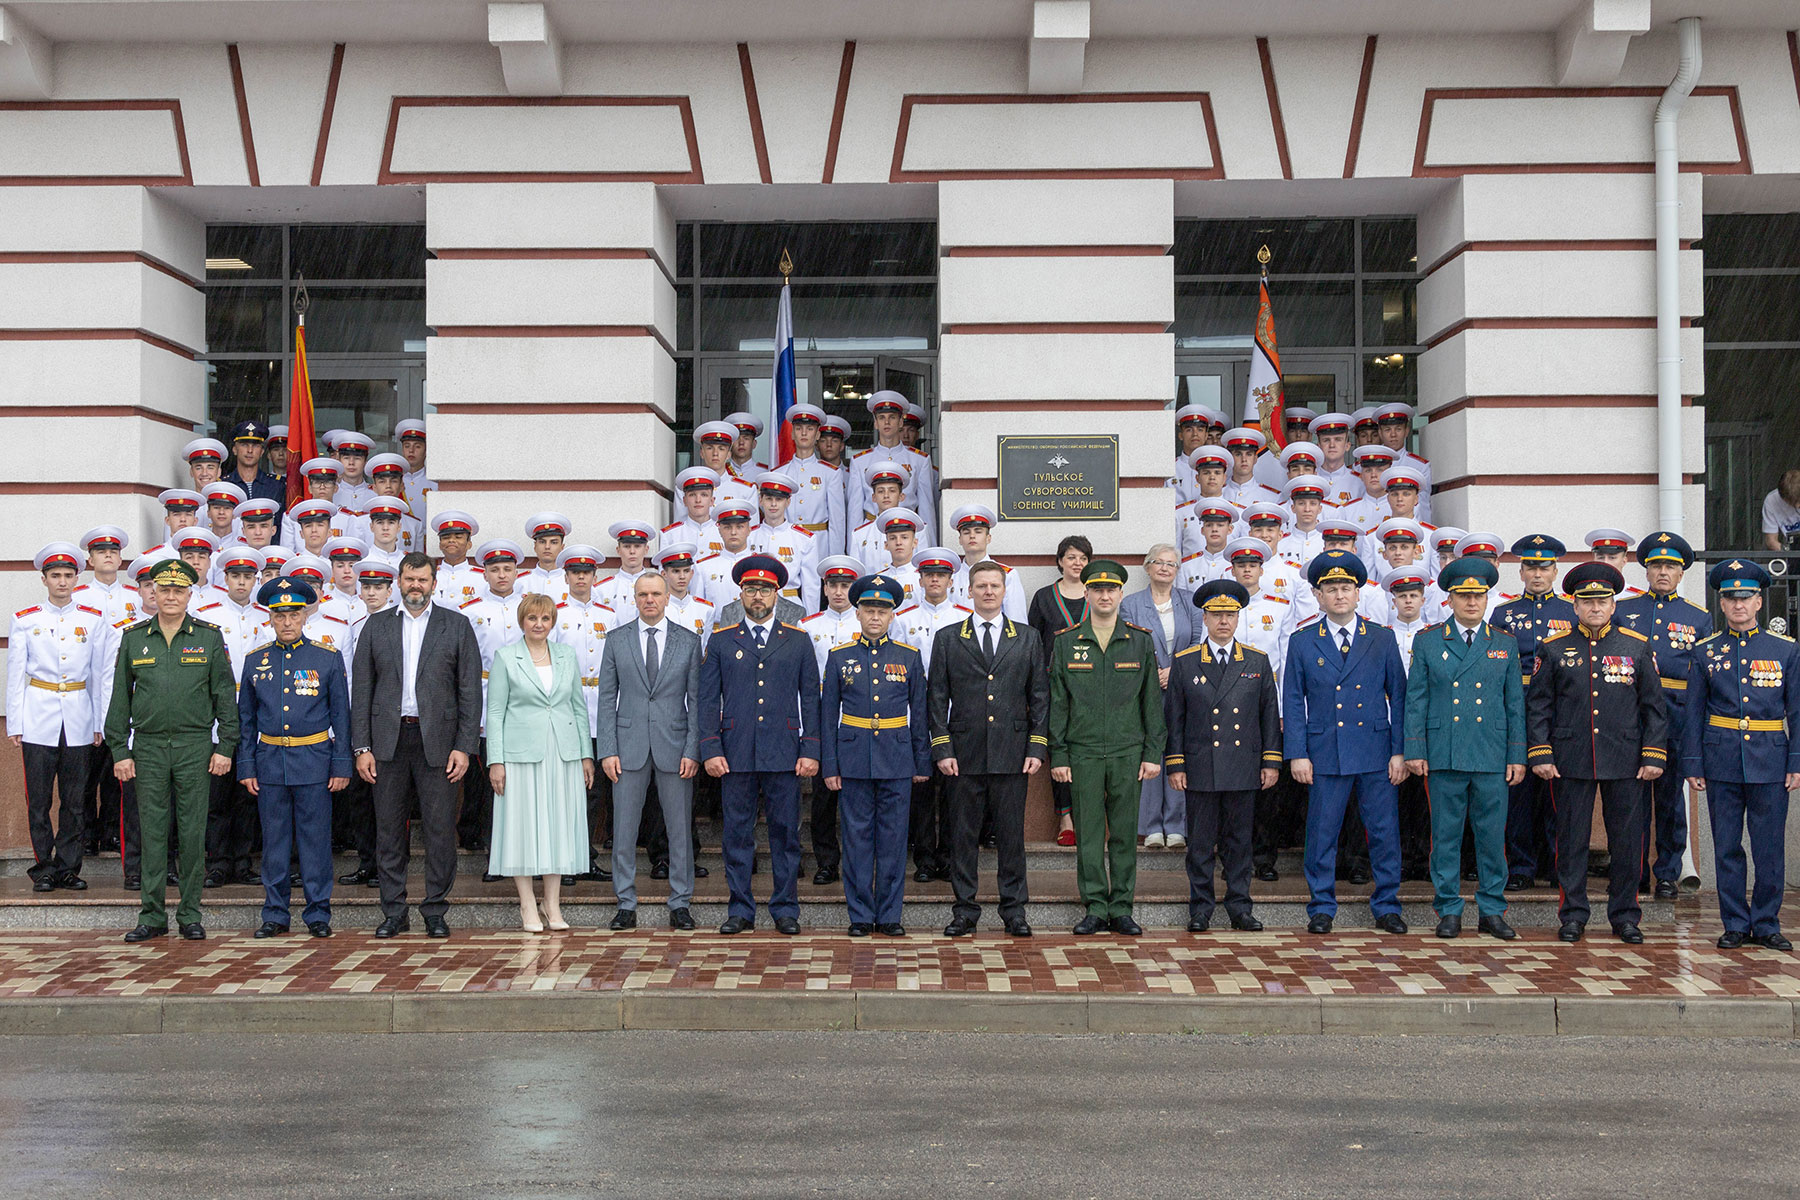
(1106, 737)
(1465, 733)
(171, 684)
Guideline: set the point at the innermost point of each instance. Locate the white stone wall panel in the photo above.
(1027, 290)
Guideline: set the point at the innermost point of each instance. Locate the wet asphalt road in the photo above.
(870, 1114)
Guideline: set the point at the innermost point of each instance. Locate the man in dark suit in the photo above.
(990, 709)
(649, 677)
(1220, 681)
(759, 728)
(415, 721)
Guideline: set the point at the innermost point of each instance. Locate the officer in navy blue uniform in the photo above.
(759, 729)
(1531, 616)
(1674, 626)
(1739, 744)
(294, 718)
(876, 744)
(1343, 716)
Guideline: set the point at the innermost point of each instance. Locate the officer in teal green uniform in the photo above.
(171, 685)
(1741, 743)
(1465, 733)
(293, 752)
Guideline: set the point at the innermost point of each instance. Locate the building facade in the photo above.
(552, 229)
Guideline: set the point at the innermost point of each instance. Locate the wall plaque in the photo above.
(1059, 477)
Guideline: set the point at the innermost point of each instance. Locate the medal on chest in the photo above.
(1617, 668)
(1765, 672)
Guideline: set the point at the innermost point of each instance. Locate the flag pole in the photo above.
(300, 405)
(783, 377)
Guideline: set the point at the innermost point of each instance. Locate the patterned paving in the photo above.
(1677, 961)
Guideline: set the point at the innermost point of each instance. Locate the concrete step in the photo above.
(1161, 903)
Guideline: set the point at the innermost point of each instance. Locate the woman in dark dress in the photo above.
(1055, 608)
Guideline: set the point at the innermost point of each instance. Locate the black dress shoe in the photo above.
(922, 875)
(1246, 924)
(1319, 924)
(1571, 931)
(392, 926)
(1471, 876)
(1449, 927)
(1091, 924)
(596, 874)
(960, 927)
(659, 869)
(681, 918)
(625, 918)
(1665, 889)
(1773, 941)
(1390, 923)
(1496, 926)
(860, 929)
(569, 881)
(295, 879)
(1126, 926)
(215, 878)
(1268, 874)
(891, 929)
(824, 876)
(734, 925)
(91, 848)
(319, 928)
(173, 880)
(1199, 924)
(193, 931)
(357, 877)
(437, 927)
(700, 872)
(490, 877)
(269, 929)
(71, 882)
(1628, 933)
(132, 883)
(941, 874)
(1732, 939)
(1518, 883)
(1360, 875)
(144, 933)
(46, 884)
(1018, 927)
(253, 879)
(787, 926)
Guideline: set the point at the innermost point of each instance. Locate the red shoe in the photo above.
(1066, 837)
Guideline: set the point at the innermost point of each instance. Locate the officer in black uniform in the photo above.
(1531, 616)
(1224, 747)
(1674, 626)
(1595, 718)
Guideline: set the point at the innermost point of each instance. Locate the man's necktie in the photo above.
(987, 639)
(1469, 637)
(651, 659)
(1344, 640)
(756, 635)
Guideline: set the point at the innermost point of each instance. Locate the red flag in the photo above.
(1266, 399)
(300, 420)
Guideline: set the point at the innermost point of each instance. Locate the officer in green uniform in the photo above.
(1106, 737)
(1465, 734)
(171, 685)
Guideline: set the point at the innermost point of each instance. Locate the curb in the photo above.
(908, 1011)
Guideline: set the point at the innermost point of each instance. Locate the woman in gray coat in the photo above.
(1170, 617)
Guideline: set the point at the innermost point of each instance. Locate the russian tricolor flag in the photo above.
(783, 377)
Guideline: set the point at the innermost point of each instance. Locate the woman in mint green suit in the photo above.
(542, 760)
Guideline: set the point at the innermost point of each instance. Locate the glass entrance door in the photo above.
(370, 398)
(1322, 382)
(743, 385)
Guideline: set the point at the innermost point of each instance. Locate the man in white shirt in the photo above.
(1243, 487)
(1781, 512)
(1213, 522)
(341, 598)
(1331, 433)
(1305, 498)
(417, 484)
(974, 524)
(1190, 435)
(458, 579)
(713, 443)
(548, 532)
(387, 522)
(818, 504)
(696, 485)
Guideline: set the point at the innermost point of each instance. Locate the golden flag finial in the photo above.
(787, 264)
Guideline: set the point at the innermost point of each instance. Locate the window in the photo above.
(365, 324)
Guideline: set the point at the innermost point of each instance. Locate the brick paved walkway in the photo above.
(1676, 962)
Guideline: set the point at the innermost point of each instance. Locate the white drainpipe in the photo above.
(1668, 278)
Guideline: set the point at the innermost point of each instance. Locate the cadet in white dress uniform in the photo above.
(676, 562)
(548, 532)
(633, 541)
(713, 572)
(458, 576)
(697, 486)
(778, 537)
(818, 504)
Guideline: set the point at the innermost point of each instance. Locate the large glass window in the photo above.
(365, 327)
(1752, 335)
(1345, 298)
(865, 317)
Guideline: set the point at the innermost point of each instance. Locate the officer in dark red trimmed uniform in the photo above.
(1673, 626)
(1531, 616)
(1595, 718)
(1739, 744)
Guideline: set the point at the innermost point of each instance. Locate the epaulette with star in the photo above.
(1631, 633)
(1190, 650)
(845, 645)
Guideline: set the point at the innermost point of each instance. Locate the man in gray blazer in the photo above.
(649, 677)
(415, 721)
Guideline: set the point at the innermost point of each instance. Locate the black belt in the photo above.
(409, 720)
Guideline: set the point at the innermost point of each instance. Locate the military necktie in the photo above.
(1344, 640)
(756, 635)
(987, 639)
(1469, 637)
